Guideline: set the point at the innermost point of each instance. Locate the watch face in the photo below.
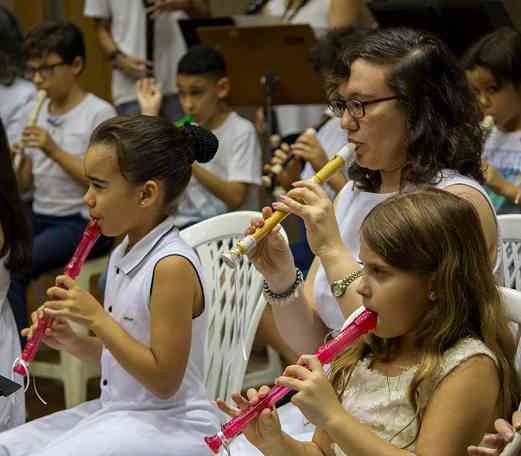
(338, 289)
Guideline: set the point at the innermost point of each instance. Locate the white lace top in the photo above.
(381, 402)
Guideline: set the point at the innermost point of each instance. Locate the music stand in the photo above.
(278, 54)
(189, 27)
(458, 22)
(7, 387)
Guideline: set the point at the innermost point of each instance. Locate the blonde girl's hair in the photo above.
(438, 235)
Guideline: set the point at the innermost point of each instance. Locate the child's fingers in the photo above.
(480, 451)
(57, 293)
(224, 407)
(516, 420)
(504, 428)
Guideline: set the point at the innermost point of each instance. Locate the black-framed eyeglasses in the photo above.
(355, 108)
(44, 71)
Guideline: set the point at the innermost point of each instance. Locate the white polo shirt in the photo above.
(55, 191)
(128, 28)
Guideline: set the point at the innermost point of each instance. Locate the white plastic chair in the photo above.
(512, 302)
(510, 228)
(71, 371)
(236, 306)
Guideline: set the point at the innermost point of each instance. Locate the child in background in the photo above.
(15, 255)
(493, 68)
(440, 365)
(54, 149)
(230, 181)
(16, 93)
(150, 338)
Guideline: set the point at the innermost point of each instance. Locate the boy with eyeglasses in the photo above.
(53, 149)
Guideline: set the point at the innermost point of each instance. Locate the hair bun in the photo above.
(205, 143)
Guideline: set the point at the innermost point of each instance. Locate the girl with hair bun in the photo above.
(150, 336)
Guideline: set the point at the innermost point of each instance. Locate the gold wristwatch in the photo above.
(339, 287)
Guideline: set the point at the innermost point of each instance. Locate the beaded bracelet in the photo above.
(289, 295)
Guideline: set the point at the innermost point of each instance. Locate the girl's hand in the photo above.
(264, 432)
(69, 301)
(493, 444)
(272, 256)
(59, 336)
(308, 148)
(149, 96)
(311, 203)
(316, 398)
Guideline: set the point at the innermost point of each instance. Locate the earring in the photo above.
(432, 296)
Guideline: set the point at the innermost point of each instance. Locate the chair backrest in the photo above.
(510, 228)
(236, 301)
(512, 302)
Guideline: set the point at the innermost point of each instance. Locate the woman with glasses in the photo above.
(407, 108)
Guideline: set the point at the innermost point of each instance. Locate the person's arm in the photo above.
(349, 12)
(500, 185)
(485, 212)
(24, 174)
(134, 67)
(194, 8)
(86, 348)
(232, 193)
(176, 296)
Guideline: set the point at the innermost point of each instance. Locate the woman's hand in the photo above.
(272, 256)
(69, 301)
(316, 398)
(149, 96)
(493, 444)
(264, 432)
(59, 336)
(311, 203)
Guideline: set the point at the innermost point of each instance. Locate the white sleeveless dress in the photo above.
(381, 402)
(12, 408)
(128, 419)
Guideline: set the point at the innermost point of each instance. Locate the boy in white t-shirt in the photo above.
(493, 68)
(230, 180)
(54, 149)
(121, 30)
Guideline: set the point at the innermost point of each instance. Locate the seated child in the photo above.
(54, 149)
(150, 338)
(493, 68)
(440, 364)
(230, 181)
(16, 93)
